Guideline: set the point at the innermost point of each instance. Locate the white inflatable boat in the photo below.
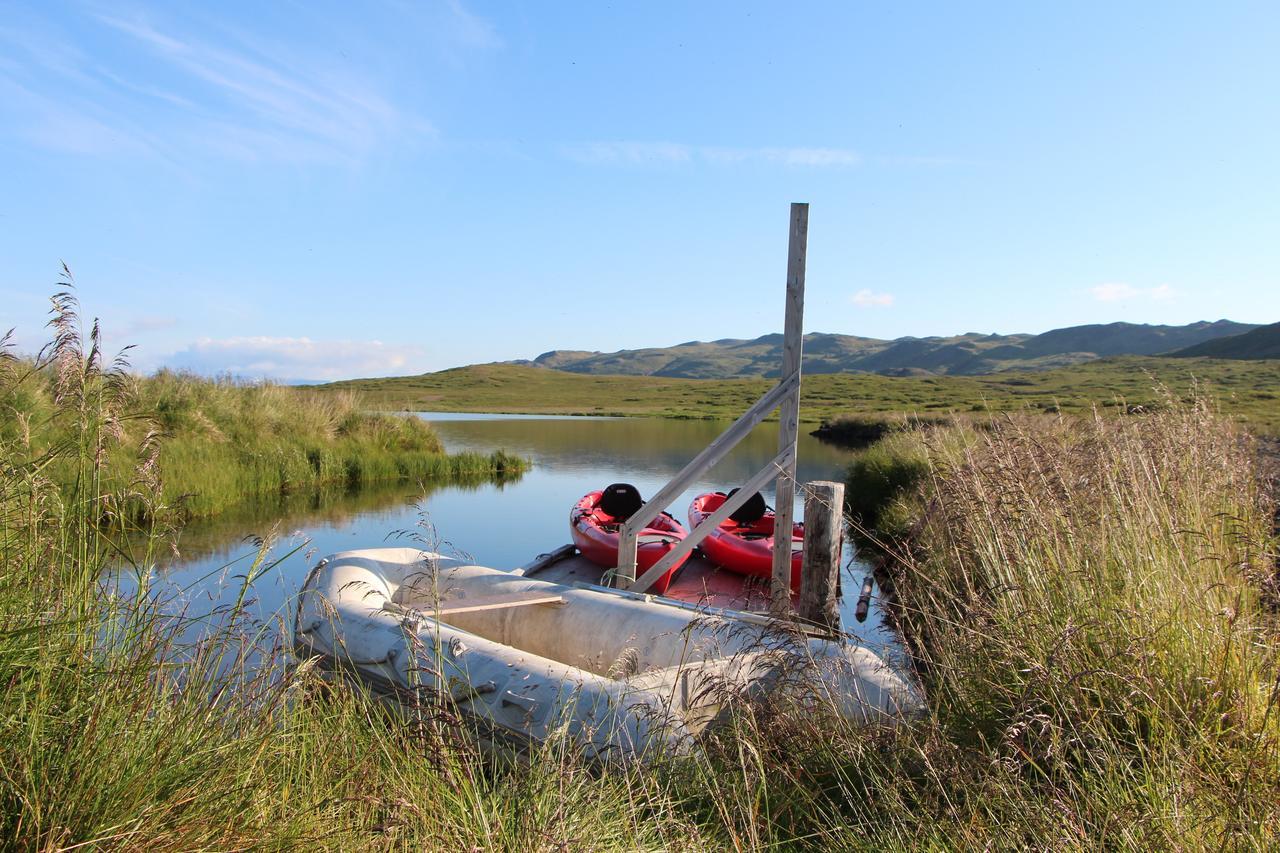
(524, 659)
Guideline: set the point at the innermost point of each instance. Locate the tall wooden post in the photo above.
(823, 543)
(789, 414)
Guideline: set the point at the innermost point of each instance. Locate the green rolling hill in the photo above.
(959, 355)
(1262, 342)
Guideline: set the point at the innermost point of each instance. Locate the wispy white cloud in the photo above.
(1119, 291)
(812, 156)
(470, 29)
(631, 153)
(868, 299)
(295, 358)
(304, 104)
(926, 160)
(57, 128)
(635, 153)
(187, 88)
(673, 153)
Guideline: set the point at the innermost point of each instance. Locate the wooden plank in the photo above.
(823, 544)
(713, 521)
(491, 602)
(789, 416)
(698, 466)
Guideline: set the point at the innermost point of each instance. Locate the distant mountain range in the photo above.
(967, 354)
(1262, 342)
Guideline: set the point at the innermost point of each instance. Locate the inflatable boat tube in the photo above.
(525, 659)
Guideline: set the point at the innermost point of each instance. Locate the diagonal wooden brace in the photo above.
(698, 466)
(781, 462)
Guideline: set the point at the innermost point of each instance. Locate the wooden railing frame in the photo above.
(786, 395)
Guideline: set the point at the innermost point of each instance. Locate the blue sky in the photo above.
(323, 190)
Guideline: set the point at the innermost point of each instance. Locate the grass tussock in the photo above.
(212, 443)
(238, 440)
(862, 430)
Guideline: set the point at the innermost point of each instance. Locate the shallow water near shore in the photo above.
(502, 525)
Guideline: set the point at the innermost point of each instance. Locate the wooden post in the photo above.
(789, 415)
(823, 543)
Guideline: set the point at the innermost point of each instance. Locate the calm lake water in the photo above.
(498, 525)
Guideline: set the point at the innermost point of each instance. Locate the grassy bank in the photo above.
(211, 444)
(1091, 602)
(117, 734)
(236, 440)
(1248, 390)
(1088, 604)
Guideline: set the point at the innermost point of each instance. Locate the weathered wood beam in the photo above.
(789, 416)
(711, 522)
(823, 546)
(699, 465)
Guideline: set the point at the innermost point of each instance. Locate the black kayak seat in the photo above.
(620, 500)
(751, 511)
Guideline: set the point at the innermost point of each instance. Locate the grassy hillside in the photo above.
(1263, 342)
(967, 354)
(1248, 389)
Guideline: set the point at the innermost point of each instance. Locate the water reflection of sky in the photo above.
(503, 525)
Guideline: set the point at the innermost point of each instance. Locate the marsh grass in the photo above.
(211, 444)
(1082, 597)
(1247, 390)
(863, 430)
(121, 728)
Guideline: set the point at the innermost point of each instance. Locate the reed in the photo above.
(1090, 603)
(217, 442)
(125, 724)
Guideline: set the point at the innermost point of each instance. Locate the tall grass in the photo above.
(1085, 598)
(223, 440)
(117, 732)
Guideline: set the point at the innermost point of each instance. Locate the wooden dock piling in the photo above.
(823, 544)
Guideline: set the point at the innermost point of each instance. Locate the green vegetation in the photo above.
(1094, 604)
(882, 483)
(1091, 601)
(217, 442)
(864, 430)
(1263, 342)
(236, 440)
(965, 355)
(1246, 389)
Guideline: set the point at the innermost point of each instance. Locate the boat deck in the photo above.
(698, 582)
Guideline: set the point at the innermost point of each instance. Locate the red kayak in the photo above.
(743, 542)
(597, 519)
